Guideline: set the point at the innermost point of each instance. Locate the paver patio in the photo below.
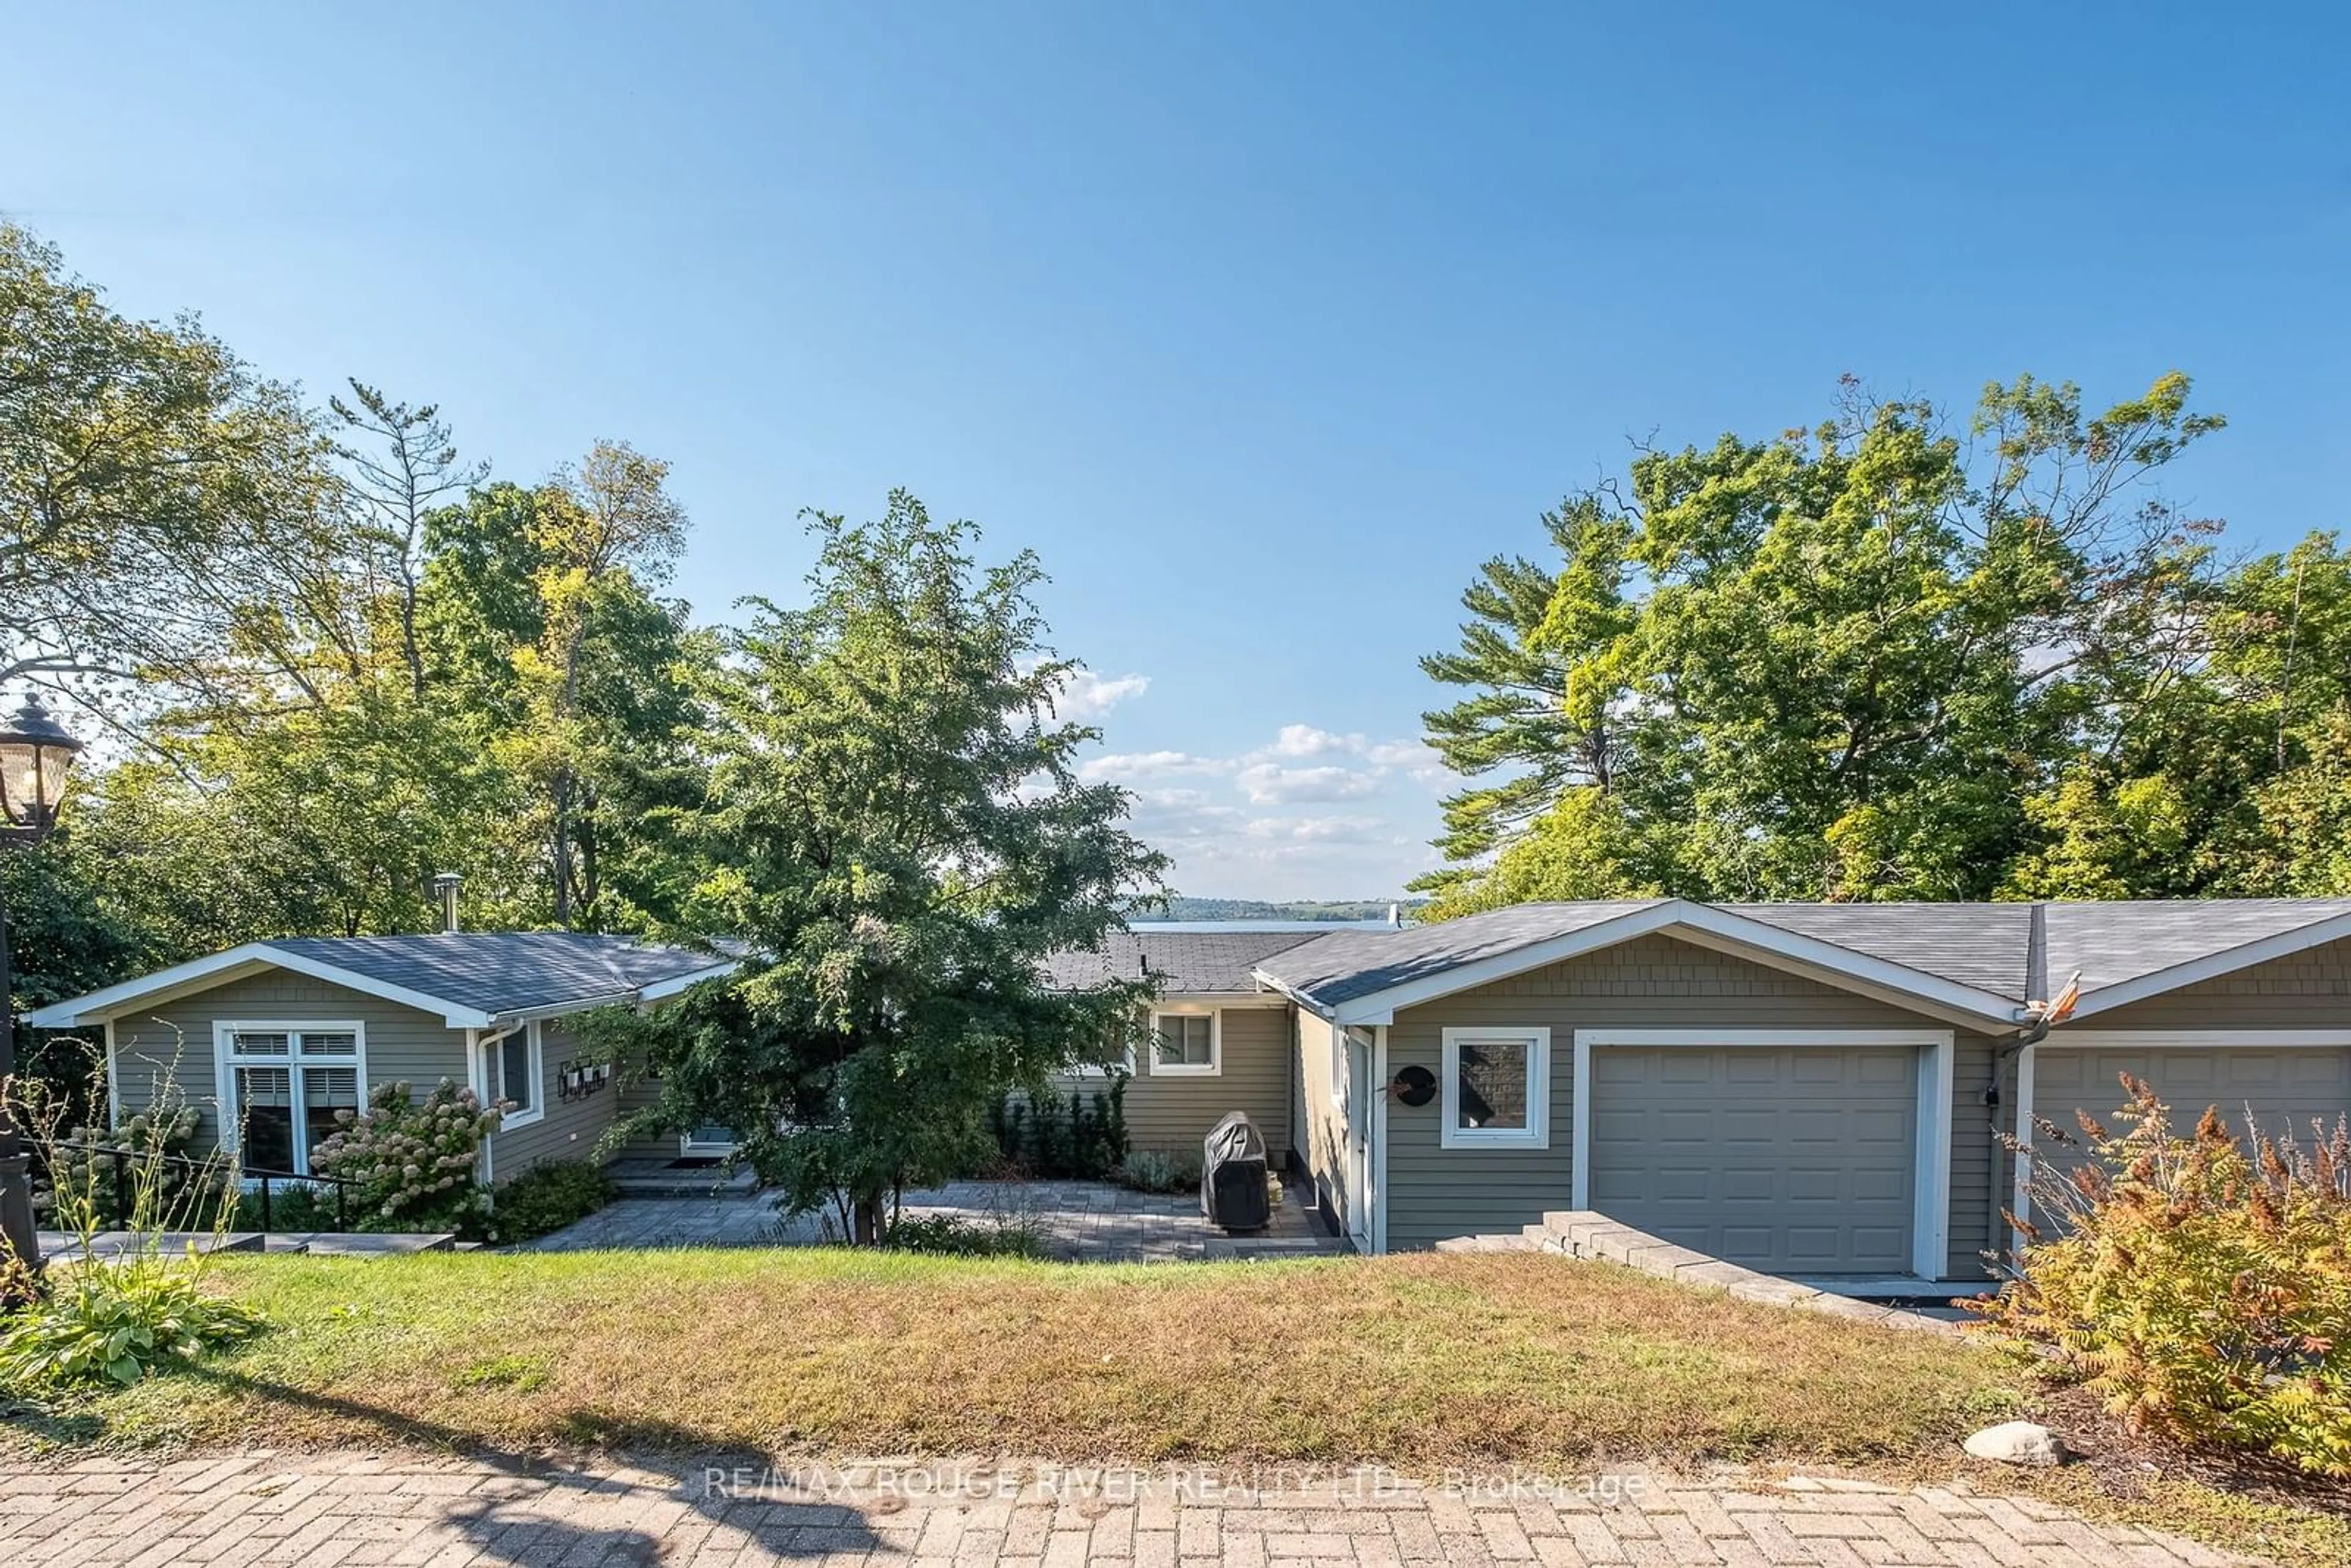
(1077, 1221)
(324, 1510)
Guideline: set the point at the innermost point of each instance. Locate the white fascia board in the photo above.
(1696, 922)
(1289, 995)
(662, 990)
(219, 968)
(2196, 1039)
(2212, 966)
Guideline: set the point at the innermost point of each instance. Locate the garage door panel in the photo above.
(1783, 1157)
(2284, 1087)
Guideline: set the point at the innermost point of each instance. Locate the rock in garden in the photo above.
(2017, 1443)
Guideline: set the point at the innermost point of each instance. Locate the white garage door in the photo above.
(2284, 1087)
(1800, 1160)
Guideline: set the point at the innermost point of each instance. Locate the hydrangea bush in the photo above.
(414, 1160)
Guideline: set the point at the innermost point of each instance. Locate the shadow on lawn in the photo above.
(527, 1515)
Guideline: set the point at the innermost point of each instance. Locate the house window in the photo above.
(1116, 1053)
(516, 1075)
(1495, 1089)
(1185, 1045)
(287, 1086)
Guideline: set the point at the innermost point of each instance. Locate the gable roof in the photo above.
(1185, 963)
(473, 979)
(1980, 962)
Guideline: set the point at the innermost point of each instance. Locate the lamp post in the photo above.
(36, 753)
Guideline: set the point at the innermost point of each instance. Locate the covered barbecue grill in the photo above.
(1232, 1175)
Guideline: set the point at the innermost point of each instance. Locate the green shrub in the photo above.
(101, 1324)
(2200, 1287)
(953, 1236)
(74, 1172)
(1160, 1170)
(548, 1196)
(296, 1206)
(413, 1162)
(1082, 1137)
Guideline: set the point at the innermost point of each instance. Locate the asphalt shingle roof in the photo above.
(2111, 942)
(1184, 962)
(1345, 964)
(1985, 946)
(502, 971)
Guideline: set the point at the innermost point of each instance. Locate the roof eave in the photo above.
(1707, 926)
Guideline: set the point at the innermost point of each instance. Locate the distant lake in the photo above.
(1258, 925)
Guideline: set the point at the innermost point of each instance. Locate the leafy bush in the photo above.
(1159, 1170)
(296, 1206)
(413, 1162)
(1047, 1137)
(103, 1323)
(548, 1196)
(116, 1319)
(160, 1139)
(2203, 1289)
(953, 1236)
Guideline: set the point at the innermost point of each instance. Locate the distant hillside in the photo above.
(1297, 909)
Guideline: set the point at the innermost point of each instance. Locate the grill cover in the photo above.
(1232, 1175)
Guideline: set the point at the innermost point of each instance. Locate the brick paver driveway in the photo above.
(343, 1509)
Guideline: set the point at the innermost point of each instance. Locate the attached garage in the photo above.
(2284, 1083)
(1790, 1150)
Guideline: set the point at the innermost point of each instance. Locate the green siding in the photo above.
(1654, 982)
(177, 1037)
(1176, 1113)
(571, 1128)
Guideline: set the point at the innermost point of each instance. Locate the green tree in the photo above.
(1830, 664)
(152, 490)
(895, 830)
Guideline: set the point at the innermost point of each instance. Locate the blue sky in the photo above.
(1263, 325)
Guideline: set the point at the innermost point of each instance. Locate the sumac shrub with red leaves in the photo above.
(2200, 1285)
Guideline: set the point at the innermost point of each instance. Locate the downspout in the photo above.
(2042, 1011)
(477, 1045)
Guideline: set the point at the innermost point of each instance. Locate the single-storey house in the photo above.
(276, 1037)
(1808, 1089)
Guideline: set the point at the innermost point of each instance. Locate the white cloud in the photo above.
(1133, 765)
(1269, 783)
(1085, 696)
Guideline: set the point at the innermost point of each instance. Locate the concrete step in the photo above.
(112, 1244)
(362, 1243)
(1487, 1244)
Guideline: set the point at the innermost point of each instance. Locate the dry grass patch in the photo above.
(1417, 1362)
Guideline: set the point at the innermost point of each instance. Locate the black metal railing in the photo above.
(124, 1158)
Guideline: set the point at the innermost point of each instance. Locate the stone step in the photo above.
(113, 1244)
(1485, 1244)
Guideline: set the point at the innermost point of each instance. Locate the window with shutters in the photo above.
(288, 1086)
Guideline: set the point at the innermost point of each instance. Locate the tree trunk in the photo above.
(866, 1221)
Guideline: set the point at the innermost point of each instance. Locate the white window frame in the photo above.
(1214, 1068)
(1536, 1133)
(494, 1067)
(226, 1061)
(1102, 1070)
(1930, 1217)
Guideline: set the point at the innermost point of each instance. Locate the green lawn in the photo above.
(1415, 1361)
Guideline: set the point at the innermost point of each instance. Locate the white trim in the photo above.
(1930, 1217)
(2021, 1189)
(484, 1163)
(1536, 1133)
(662, 990)
(1380, 1098)
(217, 970)
(2214, 1038)
(225, 1063)
(2212, 966)
(1215, 1063)
(1356, 1143)
(535, 1051)
(113, 1082)
(1695, 922)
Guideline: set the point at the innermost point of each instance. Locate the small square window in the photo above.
(1497, 1088)
(1183, 1044)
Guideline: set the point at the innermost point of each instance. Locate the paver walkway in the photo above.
(337, 1509)
(1083, 1221)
